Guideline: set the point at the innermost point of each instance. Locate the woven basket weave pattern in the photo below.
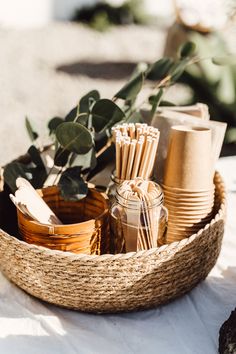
(87, 224)
(114, 283)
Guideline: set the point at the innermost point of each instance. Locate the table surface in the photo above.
(188, 325)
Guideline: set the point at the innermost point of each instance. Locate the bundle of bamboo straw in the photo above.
(136, 147)
(143, 206)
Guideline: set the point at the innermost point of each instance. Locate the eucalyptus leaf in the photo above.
(74, 137)
(178, 69)
(156, 99)
(105, 113)
(54, 123)
(38, 176)
(225, 60)
(165, 103)
(131, 88)
(12, 171)
(82, 118)
(61, 157)
(87, 100)
(86, 161)
(32, 134)
(160, 69)
(187, 49)
(36, 157)
(72, 115)
(72, 185)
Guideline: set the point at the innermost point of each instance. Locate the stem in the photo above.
(101, 151)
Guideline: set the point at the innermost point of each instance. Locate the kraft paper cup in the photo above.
(185, 212)
(187, 223)
(181, 191)
(189, 159)
(190, 220)
(189, 206)
(190, 201)
(189, 197)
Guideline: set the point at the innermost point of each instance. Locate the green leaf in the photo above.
(71, 116)
(38, 176)
(225, 60)
(156, 99)
(61, 157)
(82, 118)
(74, 137)
(72, 185)
(187, 49)
(87, 100)
(32, 134)
(178, 69)
(54, 123)
(35, 156)
(105, 113)
(160, 69)
(86, 161)
(131, 88)
(166, 103)
(12, 171)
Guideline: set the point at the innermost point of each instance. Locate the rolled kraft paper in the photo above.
(189, 159)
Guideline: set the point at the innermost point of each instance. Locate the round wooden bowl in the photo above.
(85, 229)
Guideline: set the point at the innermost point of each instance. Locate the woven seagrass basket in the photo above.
(86, 224)
(115, 283)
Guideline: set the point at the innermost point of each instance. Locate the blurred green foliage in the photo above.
(102, 15)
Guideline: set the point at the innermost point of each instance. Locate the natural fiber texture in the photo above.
(113, 283)
(86, 228)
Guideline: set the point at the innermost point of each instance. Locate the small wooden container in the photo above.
(85, 229)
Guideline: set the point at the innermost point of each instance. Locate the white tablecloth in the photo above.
(189, 325)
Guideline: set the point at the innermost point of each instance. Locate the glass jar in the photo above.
(114, 184)
(137, 223)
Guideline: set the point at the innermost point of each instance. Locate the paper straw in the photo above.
(125, 154)
(138, 154)
(118, 159)
(131, 158)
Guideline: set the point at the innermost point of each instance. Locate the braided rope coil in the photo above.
(115, 283)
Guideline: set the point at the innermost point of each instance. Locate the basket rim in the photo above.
(40, 249)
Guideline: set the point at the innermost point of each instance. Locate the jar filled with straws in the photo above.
(138, 218)
(136, 149)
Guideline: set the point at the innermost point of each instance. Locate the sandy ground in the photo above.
(45, 71)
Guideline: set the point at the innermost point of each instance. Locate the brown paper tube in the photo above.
(189, 159)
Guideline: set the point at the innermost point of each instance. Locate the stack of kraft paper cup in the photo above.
(188, 181)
